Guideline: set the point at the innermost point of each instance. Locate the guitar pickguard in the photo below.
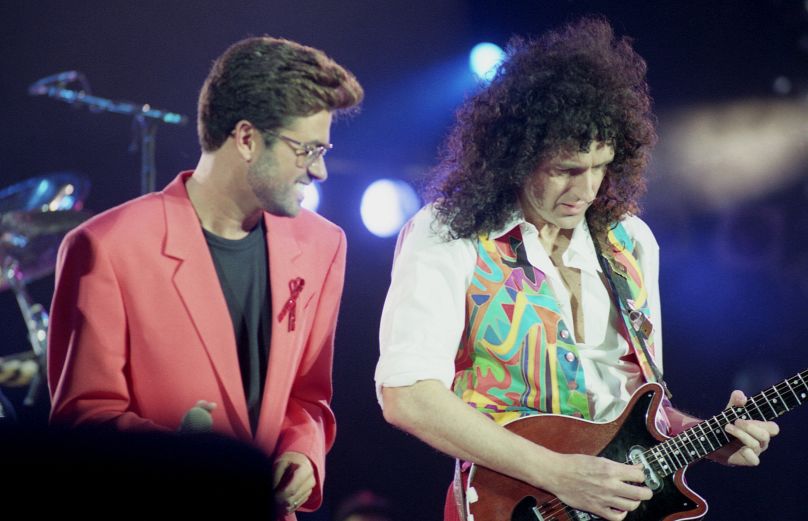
(624, 440)
(634, 437)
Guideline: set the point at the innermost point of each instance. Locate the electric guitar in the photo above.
(631, 438)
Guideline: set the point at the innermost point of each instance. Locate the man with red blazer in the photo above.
(219, 295)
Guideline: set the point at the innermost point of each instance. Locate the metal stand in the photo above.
(148, 171)
(36, 321)
(145, 116)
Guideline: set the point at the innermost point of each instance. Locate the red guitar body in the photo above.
(500, 498)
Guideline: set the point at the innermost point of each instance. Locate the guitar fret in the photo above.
(753, 401)
(781, 401)
(717, 434)
(691, 454)
(670, 453)
(804, 386)
(704, 437)
(680, 449)
(718, 428)
(674, 446)
(796, 396)
(664, 466)
(774, 411)
(727, 421)
(741, 413)
(700, 439)
(676, 450)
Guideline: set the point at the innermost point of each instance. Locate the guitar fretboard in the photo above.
(709, 435)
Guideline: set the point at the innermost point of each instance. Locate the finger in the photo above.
(634, 492)
(282, 474)
(746, 457)
(623, 504)
(300, 499)
(763, 432)
(293, 504)
(300, 480)
(770, 427)
(748, 435)
(610, 514)
(204, 404)
(736, 399)
(297, 499)
(637, 474)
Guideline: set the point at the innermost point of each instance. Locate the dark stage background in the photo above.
(727, 196)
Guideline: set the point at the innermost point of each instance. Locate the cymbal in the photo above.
(34, 216)
(50, 192)
(32, 240)
(21, 225)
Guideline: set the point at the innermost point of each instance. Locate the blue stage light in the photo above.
(386, 206)
(484, 60)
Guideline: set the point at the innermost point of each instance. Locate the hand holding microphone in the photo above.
(198, 418)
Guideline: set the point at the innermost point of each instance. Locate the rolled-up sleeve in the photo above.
(424, 312)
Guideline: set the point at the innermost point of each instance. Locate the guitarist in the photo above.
(497, 290)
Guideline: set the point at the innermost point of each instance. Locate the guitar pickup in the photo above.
(652, 479)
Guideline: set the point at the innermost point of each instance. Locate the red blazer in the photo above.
(140, 330)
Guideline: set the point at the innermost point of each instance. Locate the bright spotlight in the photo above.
(725, 154)
(484, 60)
(311, 197)
(386, 206)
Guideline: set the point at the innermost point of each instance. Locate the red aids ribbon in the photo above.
(295, 287)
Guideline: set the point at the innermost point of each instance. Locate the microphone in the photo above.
(41, 86)
(196, 421)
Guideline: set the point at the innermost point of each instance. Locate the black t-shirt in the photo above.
(241, 265)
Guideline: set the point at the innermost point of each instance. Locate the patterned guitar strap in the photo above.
(636, 321)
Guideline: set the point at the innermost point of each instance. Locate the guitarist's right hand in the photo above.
(599, 485)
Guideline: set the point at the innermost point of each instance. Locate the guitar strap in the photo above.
(634, 318)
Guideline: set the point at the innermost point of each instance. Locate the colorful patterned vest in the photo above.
(517, 355)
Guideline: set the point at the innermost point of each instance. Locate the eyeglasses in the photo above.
(307, 153)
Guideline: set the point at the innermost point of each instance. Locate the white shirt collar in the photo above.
(581, 252)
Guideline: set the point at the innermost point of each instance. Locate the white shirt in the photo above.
(424, 313)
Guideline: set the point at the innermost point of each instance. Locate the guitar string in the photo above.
(554, 504)
(770, 395)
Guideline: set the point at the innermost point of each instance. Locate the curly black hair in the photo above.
(563, 91)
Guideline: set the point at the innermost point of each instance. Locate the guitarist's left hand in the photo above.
(752, 438)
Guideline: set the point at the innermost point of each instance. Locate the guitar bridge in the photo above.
(652, 480)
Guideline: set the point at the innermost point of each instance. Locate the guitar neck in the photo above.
(709, 435)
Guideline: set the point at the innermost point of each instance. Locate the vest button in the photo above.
(565, 334)
(570, 357)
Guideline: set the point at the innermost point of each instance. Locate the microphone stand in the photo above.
(146, 118)
(147, 129)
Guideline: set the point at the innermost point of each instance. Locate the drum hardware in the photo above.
(19, 369)
(34, 216)
(36, 321)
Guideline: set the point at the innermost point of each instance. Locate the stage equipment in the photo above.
(146, 118)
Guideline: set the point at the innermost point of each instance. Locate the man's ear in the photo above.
(247, 138)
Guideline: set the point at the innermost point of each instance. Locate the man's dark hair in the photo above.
(563, 91)
(267, 81)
